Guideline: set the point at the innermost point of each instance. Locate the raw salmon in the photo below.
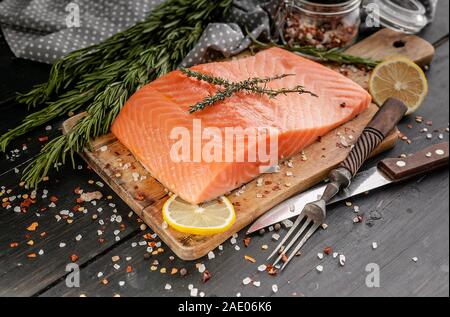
(150, 119)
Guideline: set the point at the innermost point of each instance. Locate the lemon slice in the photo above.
(206, 219)
(400, 78)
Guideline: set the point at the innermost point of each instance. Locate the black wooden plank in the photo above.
(22, 276)
(16, 74)
(401, 234)
(412, 213)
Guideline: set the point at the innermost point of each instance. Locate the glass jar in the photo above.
(324, 24)
(407, 16)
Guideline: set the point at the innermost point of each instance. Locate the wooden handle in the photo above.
(381, 125)
(427, 160)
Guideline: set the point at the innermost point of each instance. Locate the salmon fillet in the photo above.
(147, 123)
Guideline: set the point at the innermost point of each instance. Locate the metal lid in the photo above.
(408, 16)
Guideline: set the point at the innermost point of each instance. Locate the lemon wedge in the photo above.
(400, 78)
(205, 219)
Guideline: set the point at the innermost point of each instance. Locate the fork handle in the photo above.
(376, 131)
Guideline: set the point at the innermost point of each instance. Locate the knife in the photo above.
(388, 171)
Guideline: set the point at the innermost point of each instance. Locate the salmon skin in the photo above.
(155, 121)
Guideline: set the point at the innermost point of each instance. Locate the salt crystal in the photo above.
(116, 232)
(201, 268)
(274, 288)
(104, 148)
(356, 208)
(233, 241)
(246, 281)
(276, 236)
(17, 209)
(41, 252)
(121, 283)
(320, 256)
(319, 268)
(78, 237)
(238, 294)
(271, 228)
(415, 259)
(342, 259)
(335, 255)
(100, 274)
(202, 294)
(257, 283)
(119, 219)
(133, 244)
(324, 226)
(99, 232)
(211, 255)
(262, 268)
(62, 245)
(287, 223)
(237, 248)
(116, 266)
(220, 247)
(194, 292)
(190, 287)
(168, 287)
(374, 245)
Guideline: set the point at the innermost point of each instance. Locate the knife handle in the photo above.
(427, 160)
(376, 131)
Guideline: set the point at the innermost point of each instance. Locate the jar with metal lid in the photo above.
(324, 24)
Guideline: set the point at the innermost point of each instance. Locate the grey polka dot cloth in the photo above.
(46, 30)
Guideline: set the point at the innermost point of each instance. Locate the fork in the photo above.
(314, 213)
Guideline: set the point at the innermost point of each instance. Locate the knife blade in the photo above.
(373, 178)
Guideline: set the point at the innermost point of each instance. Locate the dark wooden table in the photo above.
(414, 223)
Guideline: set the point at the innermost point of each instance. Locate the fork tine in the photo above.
(294, 239)
(301, 243)
(294, 226)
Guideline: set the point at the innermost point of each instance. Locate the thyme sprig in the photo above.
(322, 55)
(101, 78)
(251, 85)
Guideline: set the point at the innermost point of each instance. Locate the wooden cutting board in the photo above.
(146, 197)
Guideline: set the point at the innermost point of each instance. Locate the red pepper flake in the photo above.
(5, 204)
(13, 245)
(27, 203)
(247, 241)
(43, 139)
(284, 258)
(129, 269)
(271, 270)
(206, 276)
(77, 190)
(32, 255)
(74, 258)
(139, 197)
(101, 240)
(33, 226)
(53, 199)
(328, 250)
(105, 281)
(76, 208)
(43, 234)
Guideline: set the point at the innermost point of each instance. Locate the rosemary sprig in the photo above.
(119, 67)
(322, 55)
(251, 85)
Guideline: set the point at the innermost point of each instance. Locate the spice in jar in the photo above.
(323, 24)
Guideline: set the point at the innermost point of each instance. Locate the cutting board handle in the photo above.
(427, 160)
